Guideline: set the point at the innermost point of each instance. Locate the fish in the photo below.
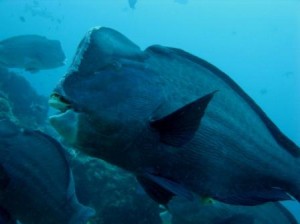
(175, 121)
(36, 182)
(31, 52)
(132, 3)
(30, 108)
(193, 212)
(22, 19)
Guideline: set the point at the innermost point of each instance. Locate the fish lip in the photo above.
(59, 115)
(59, 102)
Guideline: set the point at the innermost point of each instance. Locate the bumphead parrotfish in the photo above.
(132, 3)
(31, 52)
(36, 183)
(175, 121)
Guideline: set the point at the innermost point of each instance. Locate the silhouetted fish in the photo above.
(175, 121)
(132, 3)
(31, 52)
(36, 183)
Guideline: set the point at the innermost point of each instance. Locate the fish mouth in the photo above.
(59, 102)
(65, 122)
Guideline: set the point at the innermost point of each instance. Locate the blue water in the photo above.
(256, 42)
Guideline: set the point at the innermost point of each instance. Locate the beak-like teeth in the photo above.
(56, 101)
(66, 125)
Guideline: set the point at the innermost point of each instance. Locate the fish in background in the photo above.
(36, 183)
(31, 52)
(132, 3)
(29, 108)
(212, 212)
(178, 123)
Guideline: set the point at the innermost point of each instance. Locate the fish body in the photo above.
(36, 183)
(132, 3)
(31, 52)
(25, 105)
(194, 212)
(177, 122)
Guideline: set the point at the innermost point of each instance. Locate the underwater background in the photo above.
(257, 43)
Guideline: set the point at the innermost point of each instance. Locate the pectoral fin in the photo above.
(156, 192)
(179, 127)
(161, 189)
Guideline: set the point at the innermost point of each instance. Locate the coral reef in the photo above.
(28, 108)
(113, 193)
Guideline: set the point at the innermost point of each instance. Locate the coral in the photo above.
(113, 193)
(6, 109)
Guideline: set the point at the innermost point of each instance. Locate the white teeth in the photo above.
(66, 125)
(58, 104)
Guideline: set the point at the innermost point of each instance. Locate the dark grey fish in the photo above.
(22, 19)
(213, 212)
(36, 183)
(132, 3)
(30, 108)
(177, 122)
(31, 52)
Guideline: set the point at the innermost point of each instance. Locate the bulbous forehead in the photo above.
(106, 69)
(102, 47)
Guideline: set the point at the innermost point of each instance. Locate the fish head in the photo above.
(48, 55)
(103, 105)
(31, 52)
(55, 55)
